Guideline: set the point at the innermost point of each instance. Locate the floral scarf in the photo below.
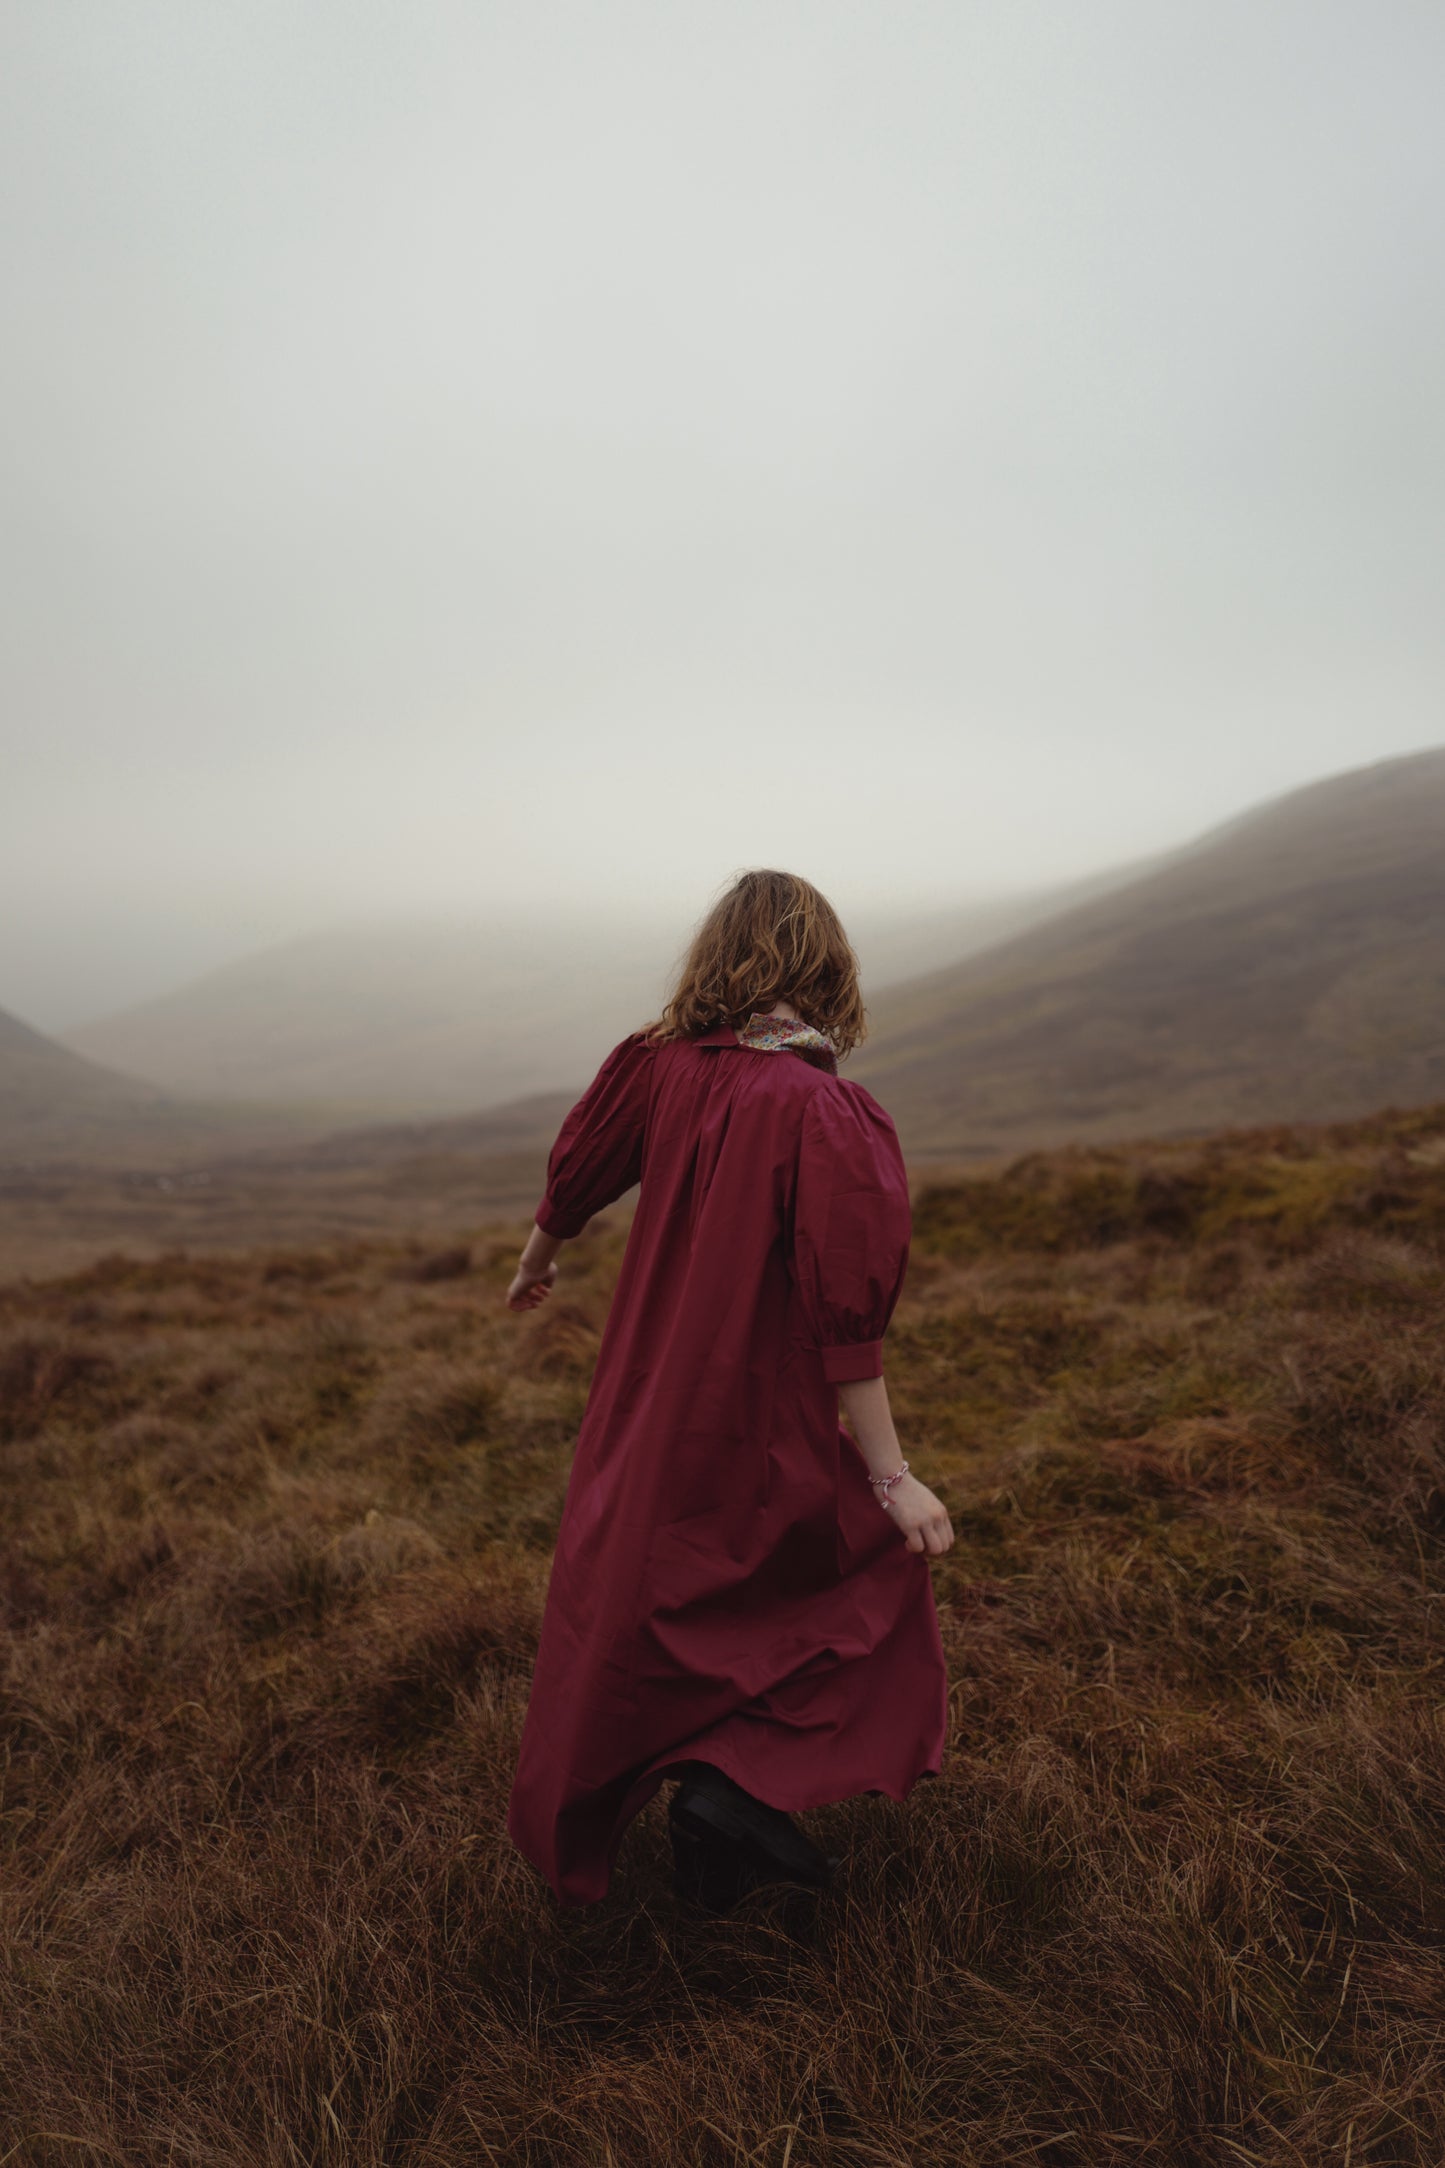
(776, 1034)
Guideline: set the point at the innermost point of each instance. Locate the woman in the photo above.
(740, 1596)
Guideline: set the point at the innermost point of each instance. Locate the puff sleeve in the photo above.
(598, 1152)
(850, 1230)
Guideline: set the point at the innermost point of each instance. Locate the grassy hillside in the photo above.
(406, 1178)
(1290, 966)
(275, 1541)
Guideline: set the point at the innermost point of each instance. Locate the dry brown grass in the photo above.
(276, 1531)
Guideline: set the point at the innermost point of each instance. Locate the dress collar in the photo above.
(813, 1049)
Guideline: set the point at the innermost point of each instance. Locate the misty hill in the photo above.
(1290, 965)
(57, 1106)
(522, 1126)
(438, 1018)
(892, 948)
(395, 1019)
(48, 1092)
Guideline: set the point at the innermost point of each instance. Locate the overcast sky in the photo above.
(459, 451)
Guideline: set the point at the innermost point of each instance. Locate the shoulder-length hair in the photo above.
(771, 937)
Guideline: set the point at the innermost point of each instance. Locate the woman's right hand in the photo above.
(528, 1289)
(922, 1517)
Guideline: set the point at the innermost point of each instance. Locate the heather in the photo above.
(276, 1528)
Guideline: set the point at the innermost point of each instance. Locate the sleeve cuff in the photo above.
(561, 1225)
(859, 1359)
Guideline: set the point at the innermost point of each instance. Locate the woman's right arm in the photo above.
(536, 1271)
(597, 1155)
(922, 1517)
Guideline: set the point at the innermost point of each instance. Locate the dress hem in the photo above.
(646, 1787)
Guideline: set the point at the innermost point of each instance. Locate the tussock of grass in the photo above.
(276, 1535)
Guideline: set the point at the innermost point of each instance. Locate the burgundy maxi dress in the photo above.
(726, 1587)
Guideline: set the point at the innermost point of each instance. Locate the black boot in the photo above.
(725, 1842)
(707, 1869)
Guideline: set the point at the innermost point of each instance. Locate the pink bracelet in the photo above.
(885, 1483)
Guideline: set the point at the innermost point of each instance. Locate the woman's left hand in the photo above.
(529, 1290)
(922, 1517)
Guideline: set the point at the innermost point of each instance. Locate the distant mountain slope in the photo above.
(521, 1130)
(408, 1018)
(57, 1106)
(437, 1018)
(893, 947)
(1288, 965)
(48, 1092)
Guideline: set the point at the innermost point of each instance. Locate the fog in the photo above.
(547, 456)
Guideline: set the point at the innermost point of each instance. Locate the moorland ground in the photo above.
(276, 1529)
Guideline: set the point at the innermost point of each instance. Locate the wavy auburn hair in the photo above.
(772, 937)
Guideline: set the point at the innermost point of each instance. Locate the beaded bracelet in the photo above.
(885, 1484)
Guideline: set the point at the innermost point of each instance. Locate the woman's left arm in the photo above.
(851, 1225)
